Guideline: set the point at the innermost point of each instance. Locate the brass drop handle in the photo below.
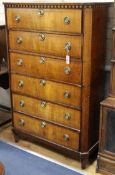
(43, 104)
(67, 116)
(22, 103)
(19, 62)
(43, 124)
(42, 60)
(17, 18)
(67, 70)
(66, 20)
(41, 37)
(20, 83)
(66, 137)
(40, 13)
(67, 94)
(21, 122)
(67, 46)
(42, 83)
(19, 40)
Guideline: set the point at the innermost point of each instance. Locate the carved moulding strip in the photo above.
(53, 5)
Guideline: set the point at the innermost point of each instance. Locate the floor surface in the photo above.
(6, 134)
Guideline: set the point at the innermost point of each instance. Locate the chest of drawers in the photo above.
(55, 103)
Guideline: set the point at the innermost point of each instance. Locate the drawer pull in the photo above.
(21, 122)
(67, 70)
(67, 94)
(40, 12)
(20, 83)
(42, 83)
(67, 116)
(19, 40)
(66, 20)
(66, 137)
(43, 104)
(19, 62)
(67, 46)
(22, 103)
(43, 124)
(17, 18)
(42, 60)
(41, 37)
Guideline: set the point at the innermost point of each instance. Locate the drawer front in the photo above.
(47, 131)
(41, 67)
(46, 89)
(51, 44)
(106, 165)
(46, 110)
(47, 19)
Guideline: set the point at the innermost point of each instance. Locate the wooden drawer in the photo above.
(41, 67)
(51, 20)
(40, 128)
(46, 110)
(106, 165)
(51, 44)
(47, 90)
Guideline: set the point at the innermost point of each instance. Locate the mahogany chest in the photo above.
(56, 65)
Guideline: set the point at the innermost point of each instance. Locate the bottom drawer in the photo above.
(106, 165)
(56, 134)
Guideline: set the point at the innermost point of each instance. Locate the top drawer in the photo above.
(46, 19)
